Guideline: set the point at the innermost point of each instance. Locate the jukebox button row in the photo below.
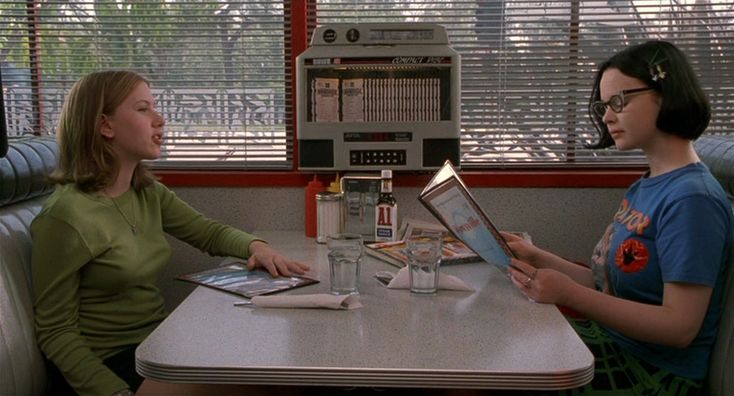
(377, 157)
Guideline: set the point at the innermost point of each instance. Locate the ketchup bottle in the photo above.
(313, 187)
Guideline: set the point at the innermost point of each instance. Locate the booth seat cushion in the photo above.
(22, 192)
(717, 152)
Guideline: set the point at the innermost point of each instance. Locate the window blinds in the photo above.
(219, 71)
(527, 67)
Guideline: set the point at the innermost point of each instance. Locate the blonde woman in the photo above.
(99, 242)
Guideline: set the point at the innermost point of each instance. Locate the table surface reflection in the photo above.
(491, 338)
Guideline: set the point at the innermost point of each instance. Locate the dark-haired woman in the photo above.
(653, 291)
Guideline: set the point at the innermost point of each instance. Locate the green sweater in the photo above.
(94, 279)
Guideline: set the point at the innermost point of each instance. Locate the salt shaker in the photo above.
(328, 214)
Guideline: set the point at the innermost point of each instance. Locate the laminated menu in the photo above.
(234, 277)
(453, 250)
(449, 200)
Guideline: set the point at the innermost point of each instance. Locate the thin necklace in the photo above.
(133, 224)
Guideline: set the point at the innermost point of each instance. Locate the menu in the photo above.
(448, 199)
(234, 277)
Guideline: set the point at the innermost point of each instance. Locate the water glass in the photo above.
(424, 259)
(345, 256)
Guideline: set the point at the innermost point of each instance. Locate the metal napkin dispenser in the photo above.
(360, 194)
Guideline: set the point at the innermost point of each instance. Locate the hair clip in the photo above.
(657, 73)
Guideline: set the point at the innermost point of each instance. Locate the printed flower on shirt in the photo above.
(632, 256)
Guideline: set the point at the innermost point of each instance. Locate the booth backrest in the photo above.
(22, 192)
(717, 153)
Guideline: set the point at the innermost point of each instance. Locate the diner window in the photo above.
(527, 67)
(221, 70)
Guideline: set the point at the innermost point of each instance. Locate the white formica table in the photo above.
(492, 338)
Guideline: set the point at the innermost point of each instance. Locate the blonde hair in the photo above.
(85, 156)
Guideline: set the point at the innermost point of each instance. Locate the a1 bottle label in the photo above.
(385, 223)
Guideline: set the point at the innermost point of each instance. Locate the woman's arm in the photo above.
(674, 323)
(186, 223)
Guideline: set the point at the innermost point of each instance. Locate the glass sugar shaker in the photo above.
(328, 214)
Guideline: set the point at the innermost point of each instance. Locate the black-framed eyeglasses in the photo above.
(616, 102)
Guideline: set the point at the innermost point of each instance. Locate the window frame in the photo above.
(302, 16)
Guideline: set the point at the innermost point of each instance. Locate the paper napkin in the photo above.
(323, 300)
(445, 281)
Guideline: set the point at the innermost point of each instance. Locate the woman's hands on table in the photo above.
(262, 255)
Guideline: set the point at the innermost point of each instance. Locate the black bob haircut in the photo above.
(684, 109)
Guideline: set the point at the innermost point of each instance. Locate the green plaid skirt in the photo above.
(617, 372)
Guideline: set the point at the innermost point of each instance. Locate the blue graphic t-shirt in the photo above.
(676, 227)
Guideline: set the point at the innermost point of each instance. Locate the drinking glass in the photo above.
(424, 259)
(345, 255)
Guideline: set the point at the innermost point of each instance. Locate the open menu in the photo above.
(448, 199)
(453, 250)
(234, 277)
